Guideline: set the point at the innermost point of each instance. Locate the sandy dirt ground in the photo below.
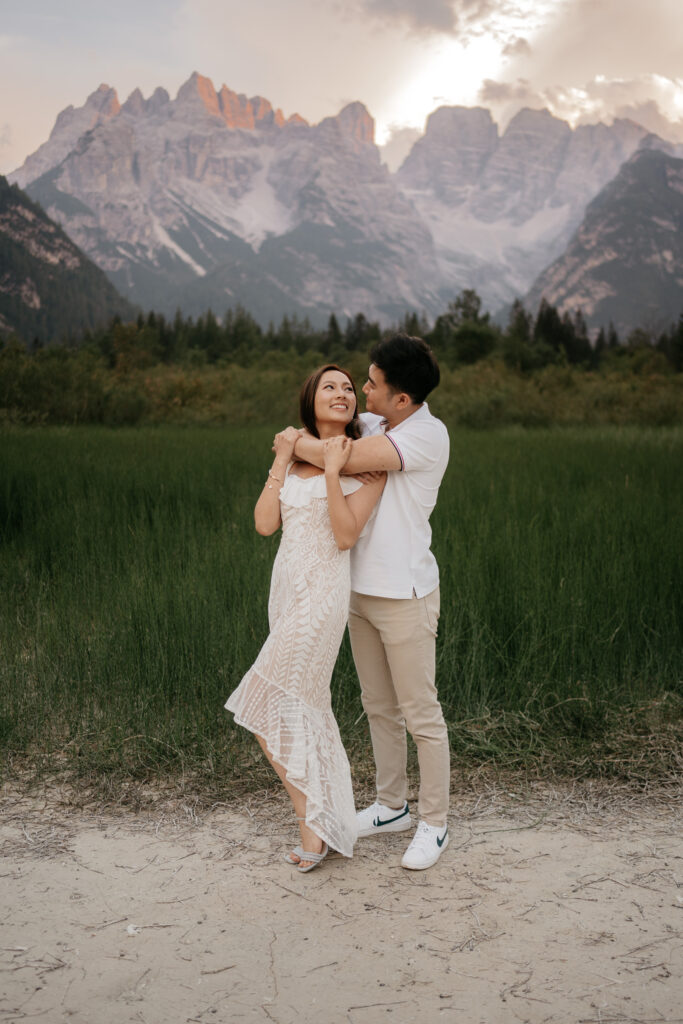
(555, 905)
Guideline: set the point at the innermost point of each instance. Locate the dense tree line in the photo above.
(463, 335)
(205, 369)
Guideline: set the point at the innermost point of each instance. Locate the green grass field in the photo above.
(133, 594)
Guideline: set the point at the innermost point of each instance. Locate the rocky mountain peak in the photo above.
(653, 141)
(135, 104)
(101, 105)
(624, 261)
(236, 109)
(354, 120)
(105, 100)
(264, 113)
(196, 97)
(532, 119)
(158, 100)
(239, 188)
(451, 154)
(198, 92)
(514, 184)
(628, 124)
(72, 123)
(454, 122)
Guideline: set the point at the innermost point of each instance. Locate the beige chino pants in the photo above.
(393, 643)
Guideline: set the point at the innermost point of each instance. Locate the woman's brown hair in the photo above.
(307, 401)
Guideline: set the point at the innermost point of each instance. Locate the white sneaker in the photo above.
(428, 844)
(378, 820)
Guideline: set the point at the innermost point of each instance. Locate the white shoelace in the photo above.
(424, 833)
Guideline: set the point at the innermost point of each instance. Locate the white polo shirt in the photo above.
(392, 557)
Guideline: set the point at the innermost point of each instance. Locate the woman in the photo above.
(284, 698)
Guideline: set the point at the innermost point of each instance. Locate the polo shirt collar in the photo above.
(418, 414)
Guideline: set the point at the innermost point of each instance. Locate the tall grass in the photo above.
(133, 597)
(562, 570)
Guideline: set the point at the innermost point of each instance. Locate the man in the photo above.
(395, 593)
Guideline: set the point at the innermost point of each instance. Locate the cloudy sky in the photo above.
(586, 60)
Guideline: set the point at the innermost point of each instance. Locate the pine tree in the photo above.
(332, 341)
(410, 325)
(548, 327)
(467, 309)
(599, 348)
(518, 350)
(520, 322)
(463, 333)
(357, 333)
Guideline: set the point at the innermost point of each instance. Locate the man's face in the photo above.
(379, 397)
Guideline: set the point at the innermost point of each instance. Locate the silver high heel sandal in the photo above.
(297, 851)
(314, 858)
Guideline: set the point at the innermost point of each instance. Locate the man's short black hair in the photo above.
(408, 365)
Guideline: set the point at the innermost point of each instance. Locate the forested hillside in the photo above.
(48, 288)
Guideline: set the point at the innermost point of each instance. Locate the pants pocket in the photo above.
(431, 606)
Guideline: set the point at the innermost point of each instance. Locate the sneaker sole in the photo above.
(379, 830)
(423, 867)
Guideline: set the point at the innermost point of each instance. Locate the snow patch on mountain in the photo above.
(168, 243)
(206, 194)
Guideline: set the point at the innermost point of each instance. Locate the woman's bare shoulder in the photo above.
(304, 470)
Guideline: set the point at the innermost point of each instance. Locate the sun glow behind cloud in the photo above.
(583, 59)
(594, 61)
(451, 75)
(453, 67)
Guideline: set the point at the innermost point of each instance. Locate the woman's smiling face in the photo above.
(335, 400)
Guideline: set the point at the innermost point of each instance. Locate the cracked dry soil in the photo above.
(557, 906)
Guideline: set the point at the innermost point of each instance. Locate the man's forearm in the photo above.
(310, 449)
(367, 455)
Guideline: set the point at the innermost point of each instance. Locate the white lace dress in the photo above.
(285, 695)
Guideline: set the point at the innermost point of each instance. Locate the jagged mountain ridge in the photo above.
(214, 199)
(501, 207)
(625, 261)
(235, 110)
(48, 288)
(297, 218)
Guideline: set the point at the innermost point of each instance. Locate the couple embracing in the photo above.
(354, 494)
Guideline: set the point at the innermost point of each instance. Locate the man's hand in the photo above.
(370, 476)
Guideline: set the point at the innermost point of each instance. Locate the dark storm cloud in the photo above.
(434, 15)
(506, 92)
(518, 47)
(437, 15)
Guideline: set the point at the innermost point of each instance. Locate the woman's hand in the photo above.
(284, 442)
(336, 451)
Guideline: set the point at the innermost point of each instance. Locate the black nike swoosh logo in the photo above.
(377, 822)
